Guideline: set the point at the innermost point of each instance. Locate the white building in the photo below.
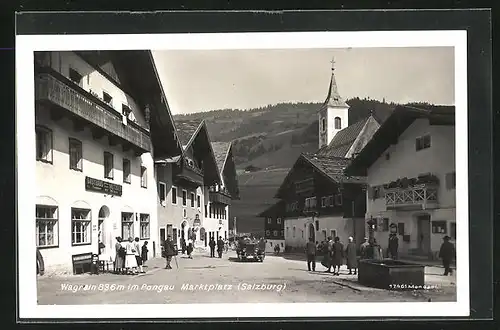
(410, 170)
(94, 172)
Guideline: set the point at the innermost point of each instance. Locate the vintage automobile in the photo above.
(250, 248)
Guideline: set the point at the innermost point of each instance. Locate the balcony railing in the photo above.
(219, 197)
(188, 175)
(421, 197)
(81, 103)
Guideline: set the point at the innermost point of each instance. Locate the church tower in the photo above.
(334, 114)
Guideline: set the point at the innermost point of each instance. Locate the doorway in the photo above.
(424, 233)
(105, 239)
(312, 232)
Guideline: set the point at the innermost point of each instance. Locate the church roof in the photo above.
(343, 140)
(221, 150)
(333, 99)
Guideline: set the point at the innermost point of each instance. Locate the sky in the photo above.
(204, 80)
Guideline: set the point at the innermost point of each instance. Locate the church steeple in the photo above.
(334, 114)
(333, 98)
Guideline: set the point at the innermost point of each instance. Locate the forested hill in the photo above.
(273, 136)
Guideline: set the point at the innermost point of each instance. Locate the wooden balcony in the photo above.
(64, 94)
(186, 175)
(219, 197)
(417, 197)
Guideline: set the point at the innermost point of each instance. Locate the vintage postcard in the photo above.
(311, 174)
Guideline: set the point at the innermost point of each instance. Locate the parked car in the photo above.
(248, 248)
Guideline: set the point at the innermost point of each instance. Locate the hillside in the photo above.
(270, 139)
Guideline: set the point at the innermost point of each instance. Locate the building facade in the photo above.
(274, 226)
(95, 172)
(183, 182)
(410, 169)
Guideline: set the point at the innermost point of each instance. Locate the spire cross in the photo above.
(333, 63)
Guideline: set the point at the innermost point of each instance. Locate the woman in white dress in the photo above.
(130, 260)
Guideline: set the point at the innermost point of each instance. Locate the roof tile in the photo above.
(220, 151)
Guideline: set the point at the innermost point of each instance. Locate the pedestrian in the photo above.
(119, 256)
(447, 254)
(327, 254)
(212, 244)
(144, 253)
(393, 246)
(220, 246)
(277, 249)
(311, 255)
(351, 256)
(338, 256)
(130, 259)
(169, 249)
(138, 257)
(373, 251)
(189, 248)
(183, 245)
(363, 248)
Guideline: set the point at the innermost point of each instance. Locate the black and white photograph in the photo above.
(316, 170)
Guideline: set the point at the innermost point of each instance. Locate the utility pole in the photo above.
(235, 231)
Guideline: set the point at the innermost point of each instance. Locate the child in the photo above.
(144, 253)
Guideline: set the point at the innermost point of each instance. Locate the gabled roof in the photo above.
(276, 209)
(186, 130)
(221, 150)
(343, 140)
(332, 169)
(399, 120)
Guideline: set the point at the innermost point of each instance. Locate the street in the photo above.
(212, 280)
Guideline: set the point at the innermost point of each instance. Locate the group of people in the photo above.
(220, 244)
(130, 256)
(334, 254)
(187, 247)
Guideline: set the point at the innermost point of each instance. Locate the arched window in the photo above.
(338, 123)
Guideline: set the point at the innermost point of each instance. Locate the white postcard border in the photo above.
(25, 164)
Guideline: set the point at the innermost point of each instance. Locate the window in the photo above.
(206, 211)
(43, 144)
(423, 142)
(278, 221)
(184, 198)
(192, 199)
(439, 227)
(450, 180)
(294, 232)
(324, 235)
(144, 177)
(317, 225)
(144, 226)
(385, 224)
(323, 201)
(338, 199)
(75, 76)
(198, 201)
(126, 110)
(126, 170)
(46, 226)
(269, 221)
(287, 231)
(268, 233)
(301, 233)
(108, 165)
(107, 98)
(323, 124)
(162, 192)
(338, 123)
(80, 224)
(174, 195)
(453, 230)
(401, 228)
(127, 225)
(75, 155)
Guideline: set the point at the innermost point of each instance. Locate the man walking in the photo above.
(338, 256)
(169, 251)
(212, 247)
(447, 254)
(311, 255)
(393, 246)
